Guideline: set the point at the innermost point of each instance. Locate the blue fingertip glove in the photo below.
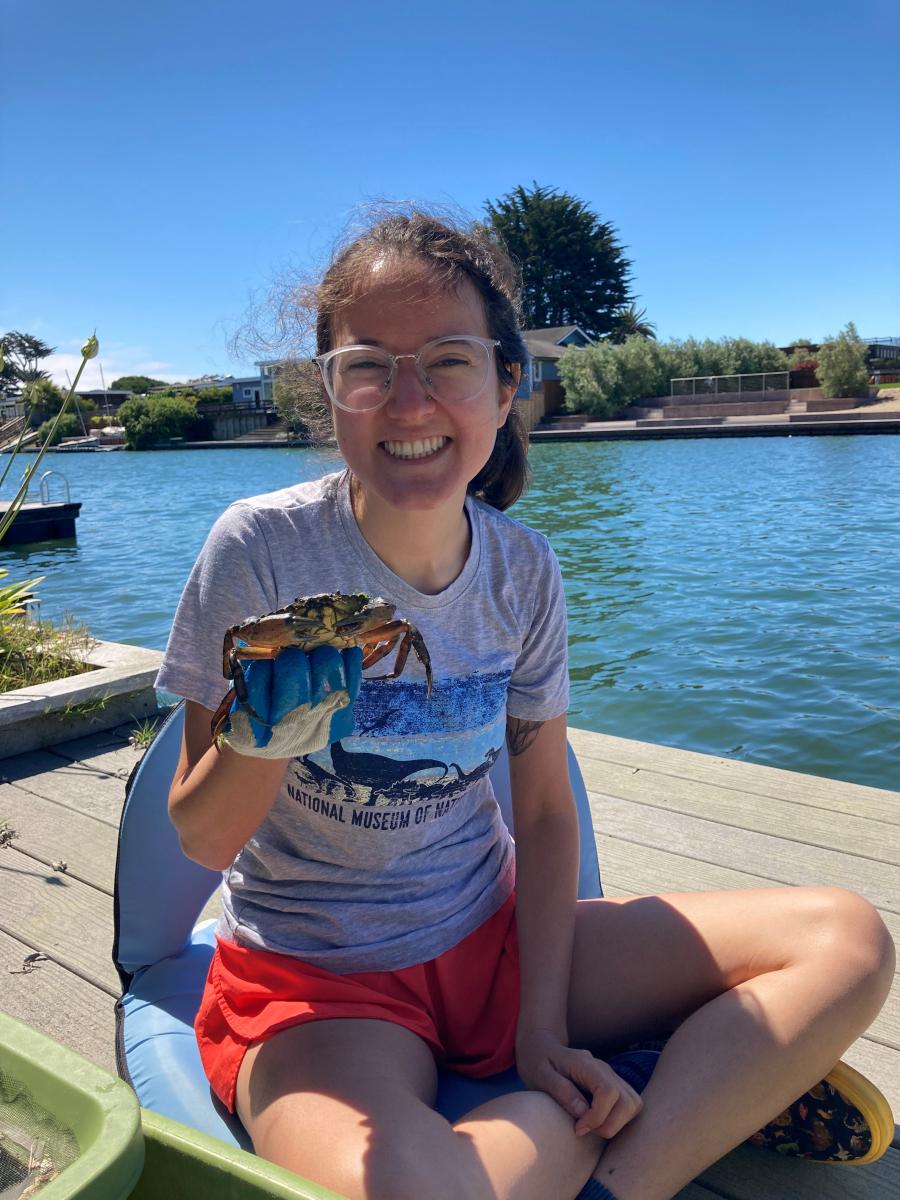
(303, 702)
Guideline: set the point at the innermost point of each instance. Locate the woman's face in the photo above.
(400, 316)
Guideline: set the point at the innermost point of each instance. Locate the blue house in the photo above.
(545, 348)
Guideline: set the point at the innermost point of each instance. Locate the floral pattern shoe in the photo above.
(843, 1119)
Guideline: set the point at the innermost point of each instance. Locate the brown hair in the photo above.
(450, 254)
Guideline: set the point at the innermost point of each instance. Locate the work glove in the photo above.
(303, 702)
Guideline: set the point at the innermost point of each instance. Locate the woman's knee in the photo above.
(845, 926)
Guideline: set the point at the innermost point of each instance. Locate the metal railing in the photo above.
(713, 385)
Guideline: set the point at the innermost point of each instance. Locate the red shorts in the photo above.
(464, 1004)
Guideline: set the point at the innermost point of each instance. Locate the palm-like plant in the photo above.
(632, 320)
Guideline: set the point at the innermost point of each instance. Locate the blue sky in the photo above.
(165, 160)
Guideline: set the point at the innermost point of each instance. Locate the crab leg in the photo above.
(411, 639)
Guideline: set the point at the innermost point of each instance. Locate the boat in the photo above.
(76, 445)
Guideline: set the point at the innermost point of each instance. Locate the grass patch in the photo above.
(81, 708)
(33, 652)
(143, 734)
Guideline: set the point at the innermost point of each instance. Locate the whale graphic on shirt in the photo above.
(408, 749)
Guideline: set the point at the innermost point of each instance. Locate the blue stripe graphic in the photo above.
(398, 706)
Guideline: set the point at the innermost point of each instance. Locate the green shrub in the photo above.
(842, 368)
(151, 420)
(69, 426)
(590, 377)
(604, 378)
(216, 395)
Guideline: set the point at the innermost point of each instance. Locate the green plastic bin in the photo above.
(183, 1164)
(86, 1110)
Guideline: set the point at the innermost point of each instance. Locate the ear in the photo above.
(507, 392)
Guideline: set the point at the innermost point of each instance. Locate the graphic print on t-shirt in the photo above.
(407, 749)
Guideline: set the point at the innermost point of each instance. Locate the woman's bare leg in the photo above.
(347, 1104)
(764, 990)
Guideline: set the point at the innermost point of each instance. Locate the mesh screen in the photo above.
(34, 1145)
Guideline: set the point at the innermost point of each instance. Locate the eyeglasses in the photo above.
(451, 369)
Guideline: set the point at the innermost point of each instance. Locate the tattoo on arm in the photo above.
(521, 734)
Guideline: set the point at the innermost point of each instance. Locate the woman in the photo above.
(376, 920)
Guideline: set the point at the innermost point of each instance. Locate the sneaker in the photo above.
(843, 1119)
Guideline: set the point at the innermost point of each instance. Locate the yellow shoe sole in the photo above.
(865, 1096)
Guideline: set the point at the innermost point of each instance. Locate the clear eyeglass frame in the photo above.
(323, 362)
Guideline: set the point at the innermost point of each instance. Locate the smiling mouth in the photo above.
(420, 449)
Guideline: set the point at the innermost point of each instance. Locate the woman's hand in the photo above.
(303, 702)
(590, 1091)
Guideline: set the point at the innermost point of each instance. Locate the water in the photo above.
(737, 596)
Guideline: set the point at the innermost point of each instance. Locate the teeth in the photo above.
(415, 449)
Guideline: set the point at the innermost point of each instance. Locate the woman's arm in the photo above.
(218, 798)
(546, 827)
(546, 832)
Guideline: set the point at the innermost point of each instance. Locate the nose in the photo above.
(408, 396)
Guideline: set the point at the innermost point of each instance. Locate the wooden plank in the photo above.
(63, 918)
(77, 785)
(59, 1004)
(52, 831)
(705, 841)
(881, 1064)
(109, 751)
(749, 1173)
(851, 835)
(631, 869)
(812, 790)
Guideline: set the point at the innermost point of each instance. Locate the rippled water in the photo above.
(735, 596)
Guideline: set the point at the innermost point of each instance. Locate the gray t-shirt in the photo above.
(386, 848)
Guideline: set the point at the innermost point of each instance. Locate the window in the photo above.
(247, 392)
(535, 371)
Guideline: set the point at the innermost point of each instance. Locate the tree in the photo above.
(841, 364)
(299, 399)
(21, 354)
(137, 384)
(573, 268)
(802, 354)
(632, 320)
(45, 400)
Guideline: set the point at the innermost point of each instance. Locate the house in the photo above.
(540, 391)
(107, 400)
(545, 348)
(248, 392)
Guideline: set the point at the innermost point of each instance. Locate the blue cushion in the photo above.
(163, 956)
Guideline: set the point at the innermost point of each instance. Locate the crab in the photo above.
(332, 619)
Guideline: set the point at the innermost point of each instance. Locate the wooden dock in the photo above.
(51, 522)
(666, 820)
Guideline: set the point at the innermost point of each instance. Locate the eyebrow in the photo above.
(363, 341)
